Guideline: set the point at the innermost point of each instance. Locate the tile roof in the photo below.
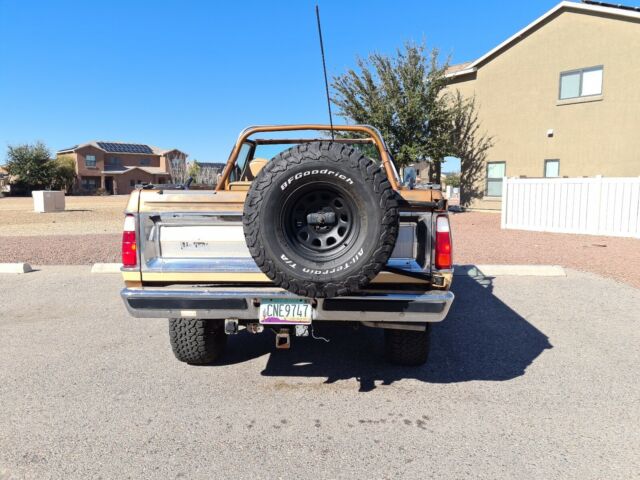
(456, 68)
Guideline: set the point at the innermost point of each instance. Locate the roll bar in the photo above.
(375, 135)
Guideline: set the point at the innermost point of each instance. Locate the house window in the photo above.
(581, 83)
(90, 161)
(132, 183)
(89, 183)
(495, 173)
(552, 168)
(145, 162)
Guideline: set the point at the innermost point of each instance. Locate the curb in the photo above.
(15, 268)
(106, 268)
(511, 270)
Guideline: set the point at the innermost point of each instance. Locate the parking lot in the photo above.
(529, 377)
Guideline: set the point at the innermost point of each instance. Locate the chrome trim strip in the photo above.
(203, 265)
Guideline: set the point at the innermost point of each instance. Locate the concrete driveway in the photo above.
(529, 377)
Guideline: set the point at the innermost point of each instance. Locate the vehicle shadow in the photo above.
(482, 338)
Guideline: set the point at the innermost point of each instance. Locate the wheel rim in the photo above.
(320, 222)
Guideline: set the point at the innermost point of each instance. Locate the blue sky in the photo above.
(192, 74)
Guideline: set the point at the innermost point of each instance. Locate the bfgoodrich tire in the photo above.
(197, 341)
(407, 347)
(321, 219)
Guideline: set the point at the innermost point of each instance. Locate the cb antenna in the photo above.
(324, 68)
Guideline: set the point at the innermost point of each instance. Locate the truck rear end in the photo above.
(186, 257)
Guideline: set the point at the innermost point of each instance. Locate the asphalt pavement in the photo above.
(529, 377)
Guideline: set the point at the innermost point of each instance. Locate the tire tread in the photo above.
(196, 341)
(329, 152)
(407, 347)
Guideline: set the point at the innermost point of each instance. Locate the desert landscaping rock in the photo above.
(61, 249)
(478, 239)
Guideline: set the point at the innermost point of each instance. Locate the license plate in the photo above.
(275, 311)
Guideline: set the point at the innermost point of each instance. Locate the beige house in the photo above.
(560, 97)
(117, 167)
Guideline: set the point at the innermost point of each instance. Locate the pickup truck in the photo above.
(307, 225)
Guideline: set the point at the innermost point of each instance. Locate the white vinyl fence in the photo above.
(595, 206)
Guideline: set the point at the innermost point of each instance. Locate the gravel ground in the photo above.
(83, 215)
(514, 388)
(479, 239)
(61, 249)
(91, 231)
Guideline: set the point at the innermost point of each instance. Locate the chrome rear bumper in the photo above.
(244, 304)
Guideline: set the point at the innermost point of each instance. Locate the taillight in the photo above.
(443, 243)
(129, 248)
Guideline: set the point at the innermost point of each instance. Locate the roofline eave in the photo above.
(578, 7)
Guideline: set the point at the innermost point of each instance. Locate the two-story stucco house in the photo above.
(560, 97)
(118, 167)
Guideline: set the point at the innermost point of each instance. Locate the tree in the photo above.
(31, 166)
(404, 98)
(470, 146)
(208, 175)
(64, 173)
(194, 170)
(178, 170)
(453, 180)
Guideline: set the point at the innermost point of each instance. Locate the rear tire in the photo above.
(407, 347)
(197, 341)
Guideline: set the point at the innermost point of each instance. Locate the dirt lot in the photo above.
(479, 239)
(89, 231)
(83, 215)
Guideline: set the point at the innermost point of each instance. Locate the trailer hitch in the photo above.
(283, 339)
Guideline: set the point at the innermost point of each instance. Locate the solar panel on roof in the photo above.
(125, 147)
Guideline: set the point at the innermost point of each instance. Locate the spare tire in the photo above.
(321, 219)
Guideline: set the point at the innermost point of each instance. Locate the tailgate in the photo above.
(189, 240)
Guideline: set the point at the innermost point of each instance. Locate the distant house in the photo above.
(118, 167)
(4, 180)
(209, 172)
(559, 98)
(215, 166)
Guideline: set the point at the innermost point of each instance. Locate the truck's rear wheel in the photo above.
(197, 341)
(407, 347)
(321, 219)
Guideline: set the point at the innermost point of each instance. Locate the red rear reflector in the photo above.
(443, 243)
(129, 248)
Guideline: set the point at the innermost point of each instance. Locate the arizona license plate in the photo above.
(275, 311)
